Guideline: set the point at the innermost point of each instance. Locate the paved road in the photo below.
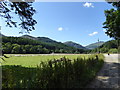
(109, 76)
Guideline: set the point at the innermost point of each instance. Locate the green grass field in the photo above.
(74, 71)
(33, 61)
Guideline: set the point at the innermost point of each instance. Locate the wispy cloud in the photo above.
(92, 34)
(88, 5)
(60, 29)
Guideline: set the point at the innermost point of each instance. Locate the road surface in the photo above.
(109, 75)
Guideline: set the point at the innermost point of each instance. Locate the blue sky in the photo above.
(80, 22)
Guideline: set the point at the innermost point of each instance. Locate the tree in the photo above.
(23, 10)
(7, 47)
(113, 50)
(45, 50)
(27, 48)
(112, 23)
(16, 48)
(39, 48)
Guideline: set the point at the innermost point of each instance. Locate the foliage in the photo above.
(19, 45)
(73, 44)
(112, 23)
(113, 51)
(23, 10)
(63, 73)
(95, 45)
(109, 46)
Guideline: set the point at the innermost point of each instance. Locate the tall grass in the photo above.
(58, 73)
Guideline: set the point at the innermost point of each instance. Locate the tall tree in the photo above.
(23, 10)
(112, 23)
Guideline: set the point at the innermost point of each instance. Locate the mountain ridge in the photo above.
(73, 44)
(95, 45)
(68, 43)
(51, 41)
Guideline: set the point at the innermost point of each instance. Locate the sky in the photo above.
(80, 22)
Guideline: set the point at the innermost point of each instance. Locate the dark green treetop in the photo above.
(23, 10)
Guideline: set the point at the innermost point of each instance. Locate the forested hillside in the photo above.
(94, 45)
(20, 45)
(109, 46)
(73, 44)
(42, 45)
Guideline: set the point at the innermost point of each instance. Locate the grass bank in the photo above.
(57, 73)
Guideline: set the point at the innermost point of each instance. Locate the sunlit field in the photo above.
(32, 60)
(50, 71)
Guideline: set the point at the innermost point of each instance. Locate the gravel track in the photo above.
(109, 75)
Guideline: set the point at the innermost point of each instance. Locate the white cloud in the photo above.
(60, 28)
(88, 5)
(92, 34)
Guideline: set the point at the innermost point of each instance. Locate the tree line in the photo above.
(108, 47)
(19, 45)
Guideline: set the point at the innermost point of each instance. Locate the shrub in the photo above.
(60, 73)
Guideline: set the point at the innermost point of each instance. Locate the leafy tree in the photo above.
(23, 50)
(22, 9)
(45, 50)
(29, 46)
(16, 48)
(112, 23)
(113, 51)
(109, 46)
(33, 49)
(39, 48)
(7, 47)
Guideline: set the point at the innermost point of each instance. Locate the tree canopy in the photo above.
(23, 10)
(112, 23)
(108, 47)
(19, 45)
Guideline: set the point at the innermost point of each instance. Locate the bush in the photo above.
(113, 51)
(61, 73)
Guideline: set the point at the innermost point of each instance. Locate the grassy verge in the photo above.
(33, 61)
(58, 73)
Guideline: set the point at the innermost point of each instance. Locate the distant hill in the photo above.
(41, 39)
(31, 44)
(36, 45)
(54, 43)
(95, 45)
(73, 44)
(29, 37)
(47, 41)
(109, 46)
(2, 35)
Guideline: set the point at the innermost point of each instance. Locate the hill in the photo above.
(94, 45)
(29, 37)
(1, 35)
(42, 39)
(41, 45)
(73, 44)
(109, 46)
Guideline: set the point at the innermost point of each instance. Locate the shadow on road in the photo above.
(109, 75)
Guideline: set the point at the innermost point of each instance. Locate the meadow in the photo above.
(50, 71)
(33, 60)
